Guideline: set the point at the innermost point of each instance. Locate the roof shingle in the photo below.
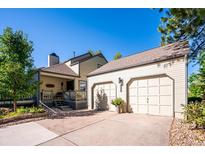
(153, 55)
(60, 69)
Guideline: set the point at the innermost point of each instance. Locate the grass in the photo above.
(21, 111)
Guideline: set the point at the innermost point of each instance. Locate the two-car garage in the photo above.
(151, 95)
(152, 82)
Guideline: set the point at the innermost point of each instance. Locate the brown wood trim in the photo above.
(79, 84)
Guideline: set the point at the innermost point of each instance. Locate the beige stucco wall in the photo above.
(87, 67)
(176, 69)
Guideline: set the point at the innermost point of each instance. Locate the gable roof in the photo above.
(166, 52)
(62, 69)
(80, 58)
(84, 57)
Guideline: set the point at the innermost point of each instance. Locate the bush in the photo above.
(22, 110)
(195, 114)
(36, 110)
(117, 102)
(194, 99)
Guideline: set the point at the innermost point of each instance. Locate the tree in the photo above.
(184, 24)
(197, 80)
(194, 88)
(118, 55)
(16, 66)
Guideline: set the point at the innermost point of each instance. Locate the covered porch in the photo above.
(62, 91)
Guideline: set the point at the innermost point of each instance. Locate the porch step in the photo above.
(60, 103)
(65, 108)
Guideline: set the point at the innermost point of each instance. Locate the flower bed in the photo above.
(183, 134)
(22, 113)
(22, 117)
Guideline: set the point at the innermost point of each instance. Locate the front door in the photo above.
(70, 85)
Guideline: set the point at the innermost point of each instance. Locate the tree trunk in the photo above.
(15, 105)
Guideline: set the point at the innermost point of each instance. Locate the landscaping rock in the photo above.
(183, 134)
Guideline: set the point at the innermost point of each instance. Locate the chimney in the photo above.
(53, 59)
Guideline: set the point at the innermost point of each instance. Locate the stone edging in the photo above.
(22, 117)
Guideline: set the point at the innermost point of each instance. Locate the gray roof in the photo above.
(62, 69)
(169, 51)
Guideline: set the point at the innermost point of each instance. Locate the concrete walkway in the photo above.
(25, 134)
(106, 128)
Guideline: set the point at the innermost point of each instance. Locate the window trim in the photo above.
(85, 84)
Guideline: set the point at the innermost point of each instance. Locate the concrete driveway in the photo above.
(105, 128)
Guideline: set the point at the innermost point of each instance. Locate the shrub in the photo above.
(22, 110)
(117, 102)
(195, 113)
(194, 99)
(36, 110)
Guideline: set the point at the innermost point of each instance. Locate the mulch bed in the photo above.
(181, 134)
(22, 119)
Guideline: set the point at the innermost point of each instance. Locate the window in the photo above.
(82, 85)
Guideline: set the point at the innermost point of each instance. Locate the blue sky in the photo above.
(66, 30)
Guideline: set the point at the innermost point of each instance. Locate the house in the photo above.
(68, 79)
(152, 82)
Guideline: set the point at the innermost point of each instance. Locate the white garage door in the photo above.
(152, 96)
(103, 96)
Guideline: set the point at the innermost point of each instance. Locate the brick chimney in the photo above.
(53, 59)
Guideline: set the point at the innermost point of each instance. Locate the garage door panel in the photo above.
(153, 82)
(142, 91)
(165, 100)
(142, 108)
(142, 83)
(133, 92)
(134, 84)
(165, 90)
(112, 86)
(133, 100)
(142, 100)
(165, 81)
(166, 110)
(154, 100)
(113, 93)
(153, 91)
(106, 91)
(107, 86)
(134, 108)
(153, 109)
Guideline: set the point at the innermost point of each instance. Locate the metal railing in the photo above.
(76, 95)
(47, 108)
